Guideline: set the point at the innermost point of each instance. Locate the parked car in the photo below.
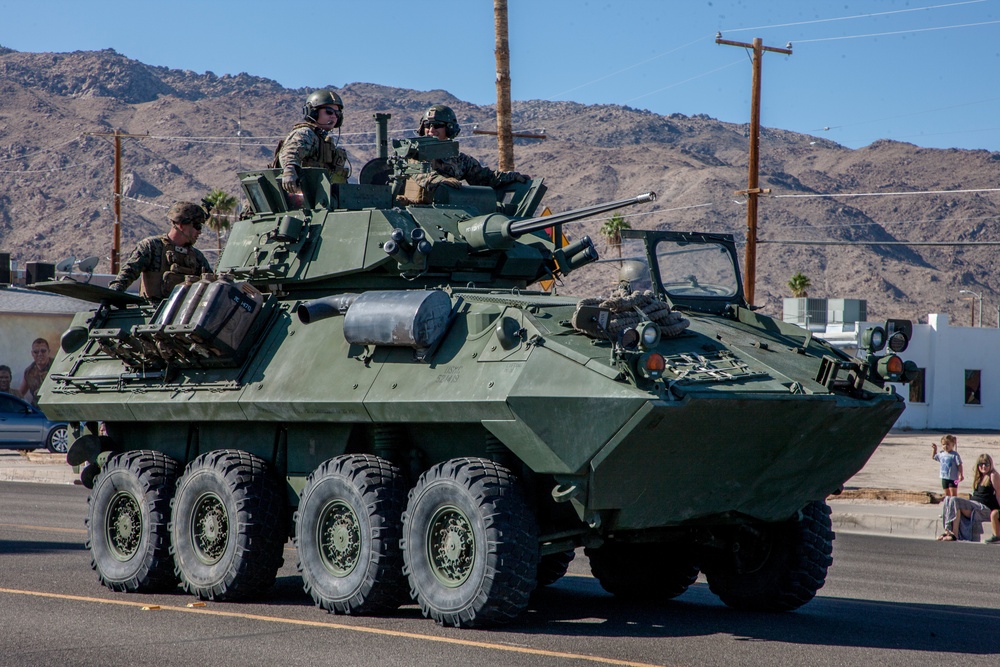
(23, 426)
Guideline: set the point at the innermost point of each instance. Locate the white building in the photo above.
(959, 383)
(958, 386)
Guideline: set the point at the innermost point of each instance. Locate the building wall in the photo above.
(946, 352)
(17, 331)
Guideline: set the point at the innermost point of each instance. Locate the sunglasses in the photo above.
(988, 465)
(197, 225)
(437, 126)
(330, 110)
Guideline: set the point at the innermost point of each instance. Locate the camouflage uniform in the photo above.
(308, 146)
(147, 260)
(466, 168)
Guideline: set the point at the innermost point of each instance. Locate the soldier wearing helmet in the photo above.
(311, 143)
(439, 121)
(164, 261)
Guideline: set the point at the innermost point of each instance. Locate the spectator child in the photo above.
(951, 464)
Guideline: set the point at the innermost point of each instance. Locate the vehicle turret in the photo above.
(338, 236)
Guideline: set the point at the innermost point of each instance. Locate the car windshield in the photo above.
(702, 269)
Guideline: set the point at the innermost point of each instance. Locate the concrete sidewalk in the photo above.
(897, 493)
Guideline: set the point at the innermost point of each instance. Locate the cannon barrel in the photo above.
(498, 232)
(522, 227)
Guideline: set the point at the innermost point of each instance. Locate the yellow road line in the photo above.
(51, 529)
(340, 626)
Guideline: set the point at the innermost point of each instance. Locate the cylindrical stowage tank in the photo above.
(403, 318)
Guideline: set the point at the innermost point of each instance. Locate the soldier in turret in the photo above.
(311, 143)
(164, 261)
(440, 122)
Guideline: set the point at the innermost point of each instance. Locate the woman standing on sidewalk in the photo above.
(985, 485)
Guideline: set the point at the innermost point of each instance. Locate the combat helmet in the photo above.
(321, 98)
(440, 113)
(635, 274)
(186, 213)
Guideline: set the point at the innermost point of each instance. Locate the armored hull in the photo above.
(427, 426)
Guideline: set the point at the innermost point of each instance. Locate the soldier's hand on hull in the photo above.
(290, 179)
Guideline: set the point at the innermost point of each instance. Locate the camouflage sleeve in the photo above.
(472, 172)
(203, 263)
(138, 261)
(299, 145)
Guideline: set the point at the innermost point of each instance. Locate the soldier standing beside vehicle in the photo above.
(311, 143)
(164, 261)
(440, 122)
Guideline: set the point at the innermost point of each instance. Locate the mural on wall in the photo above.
(28, 382)
(28, 344)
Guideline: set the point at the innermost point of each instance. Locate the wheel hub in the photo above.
(124, 526)
(210, 529)
(451, 546)
(339, 538)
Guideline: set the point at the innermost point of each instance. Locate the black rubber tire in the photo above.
(347, 532)
(647, 572)
(552, 567)
(227, 526)
(470, 544)
(789, 564)
(127, 522)
(57, 441)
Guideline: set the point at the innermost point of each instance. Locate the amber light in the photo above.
(651, 365)
(894, 365)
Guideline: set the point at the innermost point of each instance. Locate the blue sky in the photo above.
(920, 71)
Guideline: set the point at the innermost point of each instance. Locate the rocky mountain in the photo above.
(198, 130)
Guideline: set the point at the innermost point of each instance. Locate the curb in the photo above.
(890, 495)
(867, 523)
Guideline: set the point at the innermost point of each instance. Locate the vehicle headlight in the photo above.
(649, 335)
(873, 339)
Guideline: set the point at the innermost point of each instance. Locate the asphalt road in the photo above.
(888, 601)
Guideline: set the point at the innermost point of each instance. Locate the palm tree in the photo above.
(223, 204)
(612, 232)
(799, 284)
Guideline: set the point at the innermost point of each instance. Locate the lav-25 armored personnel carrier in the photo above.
(382, 383)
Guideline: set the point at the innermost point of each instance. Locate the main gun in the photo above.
(498, 232)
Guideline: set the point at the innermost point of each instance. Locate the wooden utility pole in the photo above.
(116, 243)
(753, 182)
(505, 142)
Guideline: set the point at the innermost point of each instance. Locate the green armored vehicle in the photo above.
(385, 384)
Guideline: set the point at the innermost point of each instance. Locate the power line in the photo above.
(894, 32)
(51, 169)
(891, 243)
(886, 194)
(856, 16)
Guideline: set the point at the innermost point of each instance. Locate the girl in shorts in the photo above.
(951, 464)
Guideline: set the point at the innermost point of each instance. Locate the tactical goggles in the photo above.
(437, 126)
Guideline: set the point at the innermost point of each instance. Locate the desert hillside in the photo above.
(56, 176)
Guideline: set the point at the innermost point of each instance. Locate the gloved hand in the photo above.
(290, 179)
(451, 182)
(522, 178)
